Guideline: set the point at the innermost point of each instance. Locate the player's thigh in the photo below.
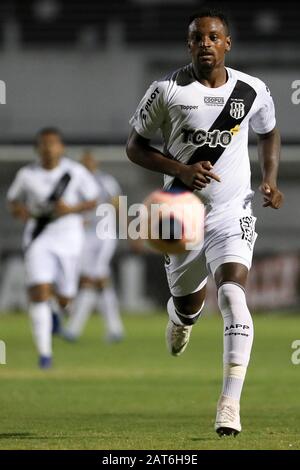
(229, 250)
(96, 258)
(187, 275)
(40, 292)
(40, 264)
(102, 263)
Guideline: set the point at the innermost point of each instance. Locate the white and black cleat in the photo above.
(228, 417)
(177, 337)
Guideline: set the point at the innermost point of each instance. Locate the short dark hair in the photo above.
(211, 13)
(49, 130)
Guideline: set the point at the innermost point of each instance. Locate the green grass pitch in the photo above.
(135, 396)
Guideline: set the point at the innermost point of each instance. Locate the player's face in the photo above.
(50, 149)
(208, 43)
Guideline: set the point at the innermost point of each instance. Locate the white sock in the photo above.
(238, 337)
(180, 318)
(109, 307)
(233, 380)
(81, 310)
(41, 320)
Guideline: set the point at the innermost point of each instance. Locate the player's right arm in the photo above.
(148, 118)
(19, 210)
(15, 198)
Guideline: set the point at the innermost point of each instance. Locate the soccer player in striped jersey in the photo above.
(51, 195)
(204, 111)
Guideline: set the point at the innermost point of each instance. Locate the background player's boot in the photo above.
(117, 337)
(56, 323)
(68, 336)
(45, 362)
(228, 417)
(177, 337)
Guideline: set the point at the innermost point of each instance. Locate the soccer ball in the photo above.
(175, 221)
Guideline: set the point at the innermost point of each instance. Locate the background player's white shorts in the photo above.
(96, 256)
(55, 261)
(228, 238)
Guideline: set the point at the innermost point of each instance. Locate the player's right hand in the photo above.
(198, 175)
(20, 211)
(61, 209)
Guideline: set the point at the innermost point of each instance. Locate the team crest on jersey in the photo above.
(237, 109)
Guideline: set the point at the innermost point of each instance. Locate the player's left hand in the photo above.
(272, 196)
(61, 209)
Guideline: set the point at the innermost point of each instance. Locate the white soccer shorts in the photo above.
(56, 261)
(96, 256)
(228, 238)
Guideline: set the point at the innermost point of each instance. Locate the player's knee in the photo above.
(188, 313)
(40, 293)
(102, 283)
(86, 283)
(188, 309)
(232, 303)
(190, 304)
(64, 302)
(230, 295)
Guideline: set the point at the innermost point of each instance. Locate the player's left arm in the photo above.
(269, 145)
(88, 194)
(263, 122)
(61, 208)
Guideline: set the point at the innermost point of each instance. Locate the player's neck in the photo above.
(50, 165)
(212, 78)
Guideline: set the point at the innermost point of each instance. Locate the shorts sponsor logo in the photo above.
(247, 225)
(214, 100)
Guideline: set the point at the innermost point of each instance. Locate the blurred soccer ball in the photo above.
(175, 221)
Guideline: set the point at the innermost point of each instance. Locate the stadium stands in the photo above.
(53, 22)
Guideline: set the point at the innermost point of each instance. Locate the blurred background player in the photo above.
(50, 195)
(96, 286)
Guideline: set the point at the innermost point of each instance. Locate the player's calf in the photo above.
(238, 338)
(41, 322)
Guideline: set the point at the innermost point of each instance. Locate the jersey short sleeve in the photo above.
(263, 120)
(149, 115)
(88, 185)
(112, 186)
(16, 190)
